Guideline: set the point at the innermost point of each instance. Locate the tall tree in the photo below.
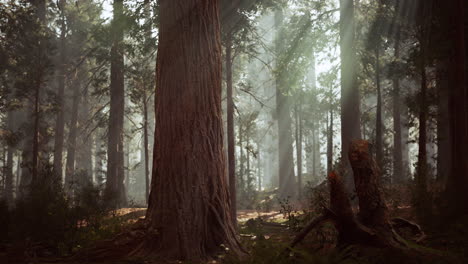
(228, 30)
(60, 121)
(458, 179)
(283, 113)
(350, 100)
(40, 6)
(189, 195)
(398, 174)
(115, 188)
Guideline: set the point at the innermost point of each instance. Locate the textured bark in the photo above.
(189, 202)
(283, 113)
(458, 179)
(373, 211)
(230, 128)
(60, 121)
(373, 226)
(398, 174)
(115, 188)
(350, 101)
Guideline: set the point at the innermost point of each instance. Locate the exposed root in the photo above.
(372, 227)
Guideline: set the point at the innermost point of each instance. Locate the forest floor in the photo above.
(266, 235)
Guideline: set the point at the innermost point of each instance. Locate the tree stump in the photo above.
(372, 225)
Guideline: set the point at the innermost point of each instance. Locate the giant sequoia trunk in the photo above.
(189, 202)
(458, 179)
(115, 189)
(350, 101)
(283, 113)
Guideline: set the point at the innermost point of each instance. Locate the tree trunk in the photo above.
(378, 122)
(41, 14)
(115, 188)
(70, 180)
(146, 144)
(60, 121)
(443, 122)
(398, 174)
(241, 158)
(330, 140)
(458, 179)
(350, 101)
(421, 169)
(189, 202)
(285, 141)
(230, 128)
(9, 161)
(299, 147)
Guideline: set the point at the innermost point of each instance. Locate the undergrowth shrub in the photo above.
(46, 218)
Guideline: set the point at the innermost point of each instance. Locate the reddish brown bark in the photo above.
(189, 202)
(372, 208)
(373, 226)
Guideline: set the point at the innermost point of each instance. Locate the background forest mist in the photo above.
(58, 103)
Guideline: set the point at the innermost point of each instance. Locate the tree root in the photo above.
(372, 225)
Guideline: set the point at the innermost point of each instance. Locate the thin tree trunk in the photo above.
(421, 170)
(241, 159)
(189, 195)
(378, 122)
(350, 101)
(298, 148)
(60, 121)
(9, 162)
(115, 188)
(330, 140)
(70, 180)
(41, 14)
(398, 174)
(146, 144)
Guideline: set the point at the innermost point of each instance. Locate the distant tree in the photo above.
(115, 188)
(350, 99)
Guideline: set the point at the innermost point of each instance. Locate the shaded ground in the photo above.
(267, 234)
